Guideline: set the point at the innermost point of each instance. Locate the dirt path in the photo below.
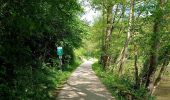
(84, 85)
(163, 90)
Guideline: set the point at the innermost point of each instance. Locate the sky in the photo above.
(89, 13)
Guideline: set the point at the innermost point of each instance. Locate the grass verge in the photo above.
(62, 76)
(122, 88)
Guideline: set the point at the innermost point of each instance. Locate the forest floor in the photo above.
(84, 85)
(163, 90)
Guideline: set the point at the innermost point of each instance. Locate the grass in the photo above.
(62, 76)
(122, 88)
(106, 78)
(36, 83)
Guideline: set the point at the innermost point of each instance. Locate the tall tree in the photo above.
(110, 11)
(155, 40)
(30, 30)
(123, 55)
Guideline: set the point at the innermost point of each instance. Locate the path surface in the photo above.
(84, 85)
(163, 90)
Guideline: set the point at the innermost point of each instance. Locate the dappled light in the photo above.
(84, 85)
(84, 49)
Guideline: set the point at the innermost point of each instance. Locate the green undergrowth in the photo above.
(62, 76)
(122, 88)
(38, 83)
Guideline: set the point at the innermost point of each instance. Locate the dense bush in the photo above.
(30, 31)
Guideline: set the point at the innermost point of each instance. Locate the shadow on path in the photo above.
(84, 85)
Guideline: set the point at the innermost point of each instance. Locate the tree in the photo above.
(154, 49)
(109, 18)
(124, 52)
(30, 30)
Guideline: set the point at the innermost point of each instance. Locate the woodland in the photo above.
(133, 45)
(130, 39)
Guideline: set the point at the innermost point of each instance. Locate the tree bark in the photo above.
(137, 84)
(154, 49)
(160, 75)
(103, 34)
(143, 74)
(107, 37)
(124, 52)
(153, 57)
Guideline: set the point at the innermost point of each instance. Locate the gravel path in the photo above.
(84, 85)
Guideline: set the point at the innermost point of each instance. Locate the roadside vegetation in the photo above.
(130, 38)
(30, 32)
(132, 44)
(122, 88)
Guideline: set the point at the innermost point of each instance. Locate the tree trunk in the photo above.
(154, 50)
(107, 37)
(124, 52)
(136, 67)
(143, 74)
(103, 34)
(161, 72)
(153, 57)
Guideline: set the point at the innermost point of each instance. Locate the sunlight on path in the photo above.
(84, 85)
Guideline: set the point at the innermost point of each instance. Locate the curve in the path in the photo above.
(84, 85)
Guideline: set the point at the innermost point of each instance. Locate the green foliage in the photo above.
(121, 87)
(150, 36)
(30, 31)
(38, 83)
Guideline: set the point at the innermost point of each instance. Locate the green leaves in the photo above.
(30, 30)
